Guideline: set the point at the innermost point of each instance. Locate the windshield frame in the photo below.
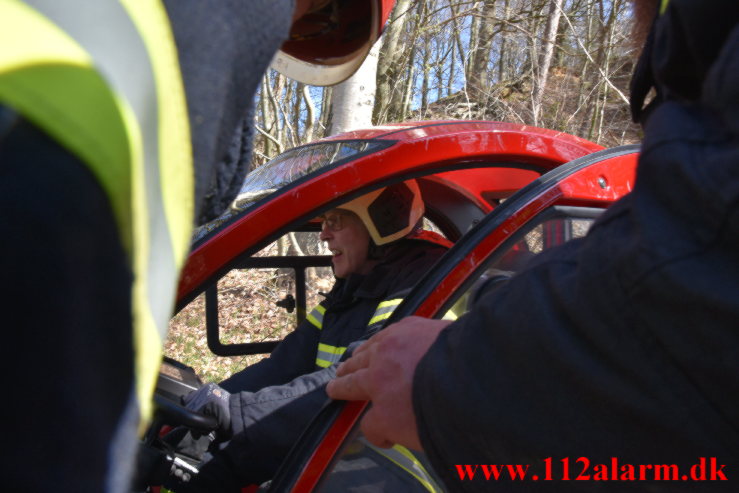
(231, 215)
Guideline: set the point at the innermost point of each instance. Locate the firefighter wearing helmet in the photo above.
(378, 254)
(389, 213)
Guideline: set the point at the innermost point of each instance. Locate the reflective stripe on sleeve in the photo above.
(316, 316)
(384, 310)
(328, 355)
(103, 31)
(103, 80)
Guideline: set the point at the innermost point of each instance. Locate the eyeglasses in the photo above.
(334, 221)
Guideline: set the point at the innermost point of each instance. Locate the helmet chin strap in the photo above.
(377, 252)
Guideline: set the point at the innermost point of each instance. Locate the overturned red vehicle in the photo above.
(500, 192)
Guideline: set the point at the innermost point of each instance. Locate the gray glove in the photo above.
(212, 400)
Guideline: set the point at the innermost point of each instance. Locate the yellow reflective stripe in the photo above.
(403, 458)
(331, 349)
(122, 57)
(135, 140)
(380, 318)
(663, 6)
(394, 302)
(327, 355)
(45, 44)
(45, 75)
(175, 152)
(167, 207)
(120, 54)
(458, 309)
(384, 310)
(418, 471)
(316, 316)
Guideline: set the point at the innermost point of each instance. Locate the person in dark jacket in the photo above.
(85, 234)
(619, 348)
(121, 125)
(379, 253)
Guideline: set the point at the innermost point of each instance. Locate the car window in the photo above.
(261, 304)
(260, 300)
(257, 303)
(553, 228)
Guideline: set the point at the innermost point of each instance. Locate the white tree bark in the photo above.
(352, 101)
(547, 49)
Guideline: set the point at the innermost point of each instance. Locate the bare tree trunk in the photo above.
(547, 49)
(600, 78)
(477, 73)
(474, 40)
(271, 132)
(291, 116)
(503, 44)
(264, 120)
(452, 71)
(425, 70)
(457, 41)
(403, 88)
(310, 114)
(405, 102)
(391, 63)
(325, 120)
(353, 100)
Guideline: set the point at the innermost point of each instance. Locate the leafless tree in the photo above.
(560, 64)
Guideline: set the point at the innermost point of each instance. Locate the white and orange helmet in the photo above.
(390, 213)
(329, 43)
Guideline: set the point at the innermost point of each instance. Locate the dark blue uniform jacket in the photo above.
(623, 344)
(275, 399)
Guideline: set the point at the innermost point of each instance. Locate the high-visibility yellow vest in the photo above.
(102, 78)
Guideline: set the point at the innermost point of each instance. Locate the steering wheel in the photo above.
(173, 413)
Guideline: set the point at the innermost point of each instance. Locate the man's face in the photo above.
(348, 240)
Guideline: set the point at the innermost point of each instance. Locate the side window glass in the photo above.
(261, 299)
(555, 227)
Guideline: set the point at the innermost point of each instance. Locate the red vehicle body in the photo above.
(499, 191)
(499, 158)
